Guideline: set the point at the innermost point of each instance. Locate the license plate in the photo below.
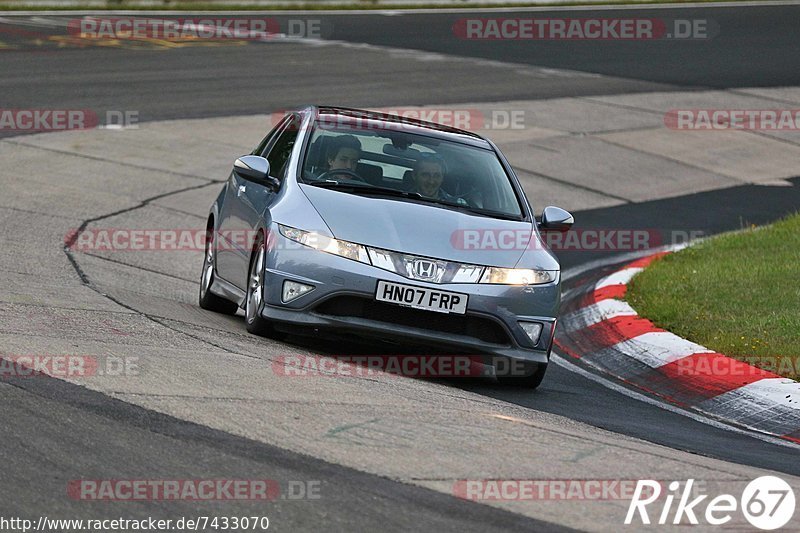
(422, 298)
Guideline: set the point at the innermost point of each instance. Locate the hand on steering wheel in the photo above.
(328, 174)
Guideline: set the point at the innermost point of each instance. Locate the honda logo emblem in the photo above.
(424, 269)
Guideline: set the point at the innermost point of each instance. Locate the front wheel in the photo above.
(207, 299)
(254, 301)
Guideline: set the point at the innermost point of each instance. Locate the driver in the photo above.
(428, 175)
(343, 153)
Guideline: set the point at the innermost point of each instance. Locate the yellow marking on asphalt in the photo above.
(549, 429)
(161, 43)
(509, 418)
(64, 40)
(192, 42)
(515, 420)
(134, 44)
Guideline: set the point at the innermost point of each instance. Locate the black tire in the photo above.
(254, 298)
(207, 299)
(530, 380)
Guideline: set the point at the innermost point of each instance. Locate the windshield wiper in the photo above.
(386, 191)
(367, 189)
(491, 214)
(474, 210)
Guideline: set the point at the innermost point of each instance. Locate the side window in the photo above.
(262, 146)
(282, 148)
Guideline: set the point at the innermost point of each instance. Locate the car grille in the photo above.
(483, 329)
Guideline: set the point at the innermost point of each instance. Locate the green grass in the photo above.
(737, 294)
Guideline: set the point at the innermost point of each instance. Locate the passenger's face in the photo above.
(346, 159)
(428, 178)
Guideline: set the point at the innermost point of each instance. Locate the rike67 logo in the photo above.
(767, 503)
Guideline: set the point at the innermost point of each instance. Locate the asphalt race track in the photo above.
(208, 403)
(759, 50)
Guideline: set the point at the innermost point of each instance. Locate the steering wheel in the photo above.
(339, 171)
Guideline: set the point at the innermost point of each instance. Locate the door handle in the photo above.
(242, 190)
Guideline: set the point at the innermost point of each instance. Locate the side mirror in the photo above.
(255, 168)
(556, 219)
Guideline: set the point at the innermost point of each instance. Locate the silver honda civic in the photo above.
(344, 221)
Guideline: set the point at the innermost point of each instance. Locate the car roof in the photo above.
(411, 125)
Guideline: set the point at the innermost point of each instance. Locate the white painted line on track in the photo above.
(596, 313)
(620, 277)
(658, 348)
(774, 391)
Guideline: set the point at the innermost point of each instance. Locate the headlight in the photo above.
(381, 259)
(518, 276)
(467, 274)
(323, 243)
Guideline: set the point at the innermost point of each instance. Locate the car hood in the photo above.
(419, 229)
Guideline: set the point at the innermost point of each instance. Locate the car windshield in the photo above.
(407, 166)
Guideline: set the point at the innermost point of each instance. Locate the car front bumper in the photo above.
(343, 300)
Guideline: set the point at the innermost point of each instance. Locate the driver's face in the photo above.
(428, 178)
(346, 159)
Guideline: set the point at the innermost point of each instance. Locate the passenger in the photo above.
(428, 175)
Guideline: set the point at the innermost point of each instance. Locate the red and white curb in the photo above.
(607, 334)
